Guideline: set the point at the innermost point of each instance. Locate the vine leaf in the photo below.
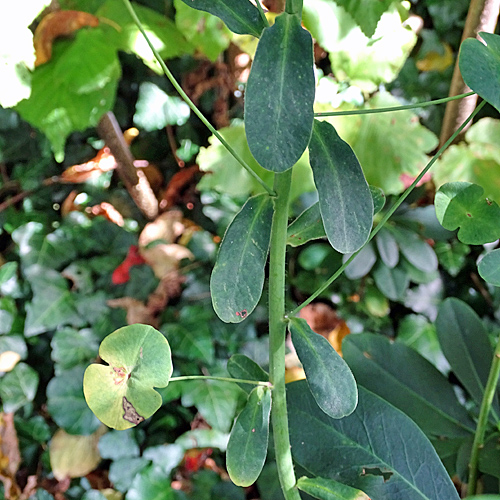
(247, 446)
(238, 276)
(480, 66)
(121, 393)
(280, 94)
(329, 378)
(345, 200)
(240, 16)
(489, 267)
(329, 489)
(462, 204)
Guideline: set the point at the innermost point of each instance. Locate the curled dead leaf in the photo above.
(108, 211)
(164, 259)
(137, 311)
(57, 24)
(179, 183)
(167, 227)
(103, 161)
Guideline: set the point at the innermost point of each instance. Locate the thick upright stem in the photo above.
(277, 332)
(489, 394)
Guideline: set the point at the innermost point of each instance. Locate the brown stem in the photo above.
(482, 16)
(135, 180)
(25, 194)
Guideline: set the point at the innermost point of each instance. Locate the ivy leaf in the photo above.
(480, 66)
(489, 267)
(329, 378)
(247, 446)
(74, 89)
(18, 387)
(162, 32)
(345, 200)
(462, 205)
(240, 16)
(238, 276)
(364, 61)
(210, 36)
(476, 160)
(329, 489)
(121, 393)
(280, 94)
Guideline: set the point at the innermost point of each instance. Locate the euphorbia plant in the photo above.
(350, 442)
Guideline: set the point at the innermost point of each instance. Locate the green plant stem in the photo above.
(489, 394)
(191, 104)
(277, 334)
(388, 215)
(262, 13)
(220, 379)
(393, 108)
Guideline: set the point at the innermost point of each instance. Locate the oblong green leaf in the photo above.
(306, 227)
(480, 66)
(240, 16)
(121, 393)
(362, 263)
(328, 489)
(489, 267)
(387, 247)
(280, 94)
(238, 275)
(393, 283)
(377, 449)
(417, 251)
(465, 343)
(463, 205)
(247, 446)
(328, 376)
(241, 366)
(345, 200)
(407, 380)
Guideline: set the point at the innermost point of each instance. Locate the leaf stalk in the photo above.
(220, 379)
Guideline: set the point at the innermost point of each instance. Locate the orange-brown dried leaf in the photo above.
(137, 311)
(109, 212)
(69, 205)
(102, 162)
(56, 24)
(178, 184)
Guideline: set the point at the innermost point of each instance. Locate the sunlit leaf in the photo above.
(489, 267)
(18, 387)
(329, 489)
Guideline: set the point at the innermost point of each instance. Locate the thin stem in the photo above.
(393, 108)
(277, 334)
(262, 13)
(489, 394)
(389, 213)
(190, 103)
(220, 379)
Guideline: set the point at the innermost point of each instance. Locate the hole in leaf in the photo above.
(377, 471)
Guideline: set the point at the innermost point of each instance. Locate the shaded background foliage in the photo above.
(80, 260)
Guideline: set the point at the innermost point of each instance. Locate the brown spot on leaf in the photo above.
(131, 414)
(243, 313)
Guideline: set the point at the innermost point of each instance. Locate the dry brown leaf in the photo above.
(137, 311)
(10, 457)
(167, 227)
(68, 205)
(177, 185)
(108, 211)
(56, 24)
(74, 456)
(164, 259)
(103, 161)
